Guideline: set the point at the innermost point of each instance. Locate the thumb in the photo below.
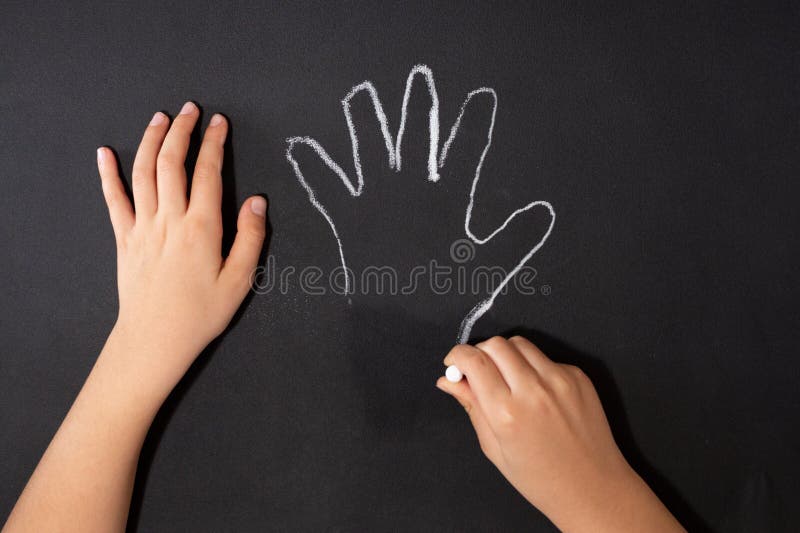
(250, 233)
(463, 394)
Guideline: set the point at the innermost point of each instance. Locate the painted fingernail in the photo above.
(258, 206)
(216, 120)
(158, 118)
(101, 154)
(187, 108)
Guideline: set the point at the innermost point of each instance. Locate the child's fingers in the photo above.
(119, 206)
(463, 394)
(484, 378)
(460, 391)
(143, 177)
(509, 361)
(250, 233)
(206, 197)
(170, 171)
(535, 357)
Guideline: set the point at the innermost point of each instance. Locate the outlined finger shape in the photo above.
(466, 137)
(468, 141)
(355, 186)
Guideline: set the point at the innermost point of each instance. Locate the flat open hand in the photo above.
(176, 292)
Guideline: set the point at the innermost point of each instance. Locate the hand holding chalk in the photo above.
(542, 425)
(453, 374)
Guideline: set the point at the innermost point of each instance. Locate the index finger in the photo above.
(483, 376)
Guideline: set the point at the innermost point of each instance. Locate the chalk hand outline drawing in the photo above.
(436, 161)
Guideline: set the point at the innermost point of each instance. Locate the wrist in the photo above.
(587, 499)
(114, 396)
(144, 368)
(615, 501)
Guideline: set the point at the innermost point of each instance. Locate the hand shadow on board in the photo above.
(611, 399)
(230, 212)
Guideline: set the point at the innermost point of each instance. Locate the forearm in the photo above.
(85, 478)
(176, 294)
(611, 505)
(542, 424)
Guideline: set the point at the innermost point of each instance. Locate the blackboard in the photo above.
(664, 135)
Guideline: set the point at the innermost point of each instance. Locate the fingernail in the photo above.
(101, 154)
(258, 206)
(216, 120)
(158, 118)
(187, 108)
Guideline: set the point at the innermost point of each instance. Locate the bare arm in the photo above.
(176, 294)
(542, 425)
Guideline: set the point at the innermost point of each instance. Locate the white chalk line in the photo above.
(434, 164)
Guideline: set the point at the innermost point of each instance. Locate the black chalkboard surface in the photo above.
(665, 137)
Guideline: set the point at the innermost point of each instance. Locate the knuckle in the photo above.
(166, 161)
(251, 239)
(539, 401)
(139, 173)
(578, 374)
(197, 228)
(520, 340)
(460, 352)
(492, 344)
(256, 232)
(561, 383)
(205, 171)
(496, 341)
(505, 415)
(201, 221)
(477, 358)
